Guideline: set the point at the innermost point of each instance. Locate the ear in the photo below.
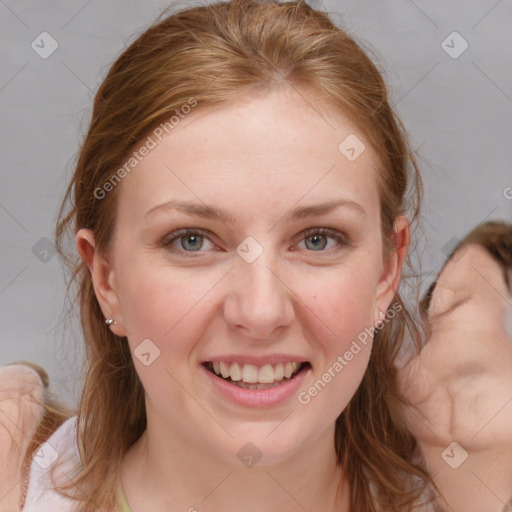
(390, 279)
(103, 279)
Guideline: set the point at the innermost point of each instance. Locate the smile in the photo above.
(250, 376)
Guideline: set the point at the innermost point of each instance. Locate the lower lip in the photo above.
(257, 397)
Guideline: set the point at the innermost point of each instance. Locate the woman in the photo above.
(461, 383)
(259, 137)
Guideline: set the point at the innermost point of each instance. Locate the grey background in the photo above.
(458, 112)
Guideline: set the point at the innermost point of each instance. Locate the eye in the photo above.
(193, 240)
(189, 240)
(315, 238)
(446, 301)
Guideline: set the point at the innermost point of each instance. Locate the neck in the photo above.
(164, 470)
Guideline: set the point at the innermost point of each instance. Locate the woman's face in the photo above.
(471, 319)
(471, 298)
(253, 282)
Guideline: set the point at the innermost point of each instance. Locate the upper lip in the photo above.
(256, 360)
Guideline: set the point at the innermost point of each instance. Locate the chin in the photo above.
(259, 444)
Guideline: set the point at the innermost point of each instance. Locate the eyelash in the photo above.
(452, 307)
(170, 238)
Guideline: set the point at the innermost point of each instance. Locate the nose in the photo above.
(259, 303)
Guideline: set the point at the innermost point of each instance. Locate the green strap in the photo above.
(124, 504)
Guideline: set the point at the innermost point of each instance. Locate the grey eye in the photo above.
(191, 242)
(317, 242)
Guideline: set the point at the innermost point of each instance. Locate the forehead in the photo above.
(273, 145)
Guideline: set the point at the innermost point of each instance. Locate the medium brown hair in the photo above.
(213, 54)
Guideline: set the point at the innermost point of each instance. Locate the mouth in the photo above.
(250, 376)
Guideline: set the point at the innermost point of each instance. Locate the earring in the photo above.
(110, 321)
(382, 315)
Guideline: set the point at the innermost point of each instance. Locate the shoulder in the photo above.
(21, 410)
(60, 454)
(27, 484)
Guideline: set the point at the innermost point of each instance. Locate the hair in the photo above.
(496, 238)
(213, 54)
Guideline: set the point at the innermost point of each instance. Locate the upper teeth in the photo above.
(252, 374)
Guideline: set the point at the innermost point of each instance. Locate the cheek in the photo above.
(479, 318)
(167, 308)
(343, 327)
(337, 318)
(164, 302)
(341, 322)
(344, 302)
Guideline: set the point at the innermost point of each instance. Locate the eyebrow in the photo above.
(212, 212)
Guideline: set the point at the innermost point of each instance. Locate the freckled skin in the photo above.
(257, 158)
(462, 383)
